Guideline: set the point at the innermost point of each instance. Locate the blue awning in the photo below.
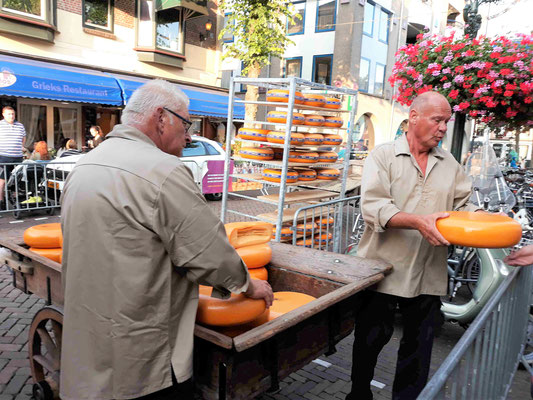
(201, 101)
(41, 80)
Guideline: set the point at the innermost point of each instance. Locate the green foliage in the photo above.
(259, 30)
(28, 6)
(96, 12)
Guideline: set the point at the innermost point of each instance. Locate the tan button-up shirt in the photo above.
(393, 182)
(138, 238)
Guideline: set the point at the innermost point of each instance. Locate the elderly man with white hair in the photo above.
(138, 239)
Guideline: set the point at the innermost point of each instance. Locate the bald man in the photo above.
(407, 185)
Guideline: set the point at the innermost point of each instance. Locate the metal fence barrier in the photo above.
(483, 363)
(326, 226)
(32, 185)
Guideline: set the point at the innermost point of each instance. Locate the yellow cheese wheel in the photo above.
(314, 100)
(279, 137)
(257, 153)
(308, 228)
(327, 157)
(324, 222)
(52, 254)
(44, 236)
(478, 229)
(334, 122)
(314, 120)
(281, 117)
(323, 239)
(282, 96)
(233, 331)
(259, 135)
(333, 103)
(259, 273)
(305, 242)
(286, 233)
(306, 174)
(241, 234)
(333, 140)
(303, 157)
(287, 301)
(274, 175)
(314, 139)
(255, 256)
(328, 174)
(236, 310)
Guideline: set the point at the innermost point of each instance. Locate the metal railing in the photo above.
(483, 363)
(326, 226)
(33, 185)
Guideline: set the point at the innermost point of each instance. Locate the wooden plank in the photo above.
(213, 336)
(288, 216)
(300, 196)
(259, 178)
(26, 255)
(326, 265)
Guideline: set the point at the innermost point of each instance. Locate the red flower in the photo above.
(494, 55)
(473, 113)
(528, 100)
(508, 93)
(454, 93)
(510, 113)
(459, 69)
(506, 71)
(464, 105)
(470, 53)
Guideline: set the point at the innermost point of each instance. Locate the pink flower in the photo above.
(447, 85)
(459, 79)
(446, 71)
(456, 108)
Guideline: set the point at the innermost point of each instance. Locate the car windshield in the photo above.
(194, 149)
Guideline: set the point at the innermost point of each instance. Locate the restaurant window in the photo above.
(325, 15)
(33, 117)
(297, 28)
(65, 124)
(322, 69)
(293, 67)
(228, 36)
(379, 80)
(368, 23)
(196, 127)
(98, 14)
(364, 72)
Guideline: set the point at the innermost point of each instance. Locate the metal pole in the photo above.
(229, 127)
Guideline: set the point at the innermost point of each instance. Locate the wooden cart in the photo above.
(242, 367)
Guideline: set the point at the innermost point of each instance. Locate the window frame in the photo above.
(375, 75)
(290, 59)
(110, 16)
(181, 51)
(359, 77)
(371, 34)
(224, 40)
(303, 19)
(315, 57)
(46, 7)
(389, 15)
(334, 18)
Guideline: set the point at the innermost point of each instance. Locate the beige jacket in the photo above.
(393, 182)
(138, 239)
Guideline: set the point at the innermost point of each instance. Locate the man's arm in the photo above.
(425, 224)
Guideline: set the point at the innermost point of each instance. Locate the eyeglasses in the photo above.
(186, 123)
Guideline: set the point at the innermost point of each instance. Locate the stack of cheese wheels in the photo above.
(281, 117)
(333, 103)
(332, 140)
(333, 122)
(257, 153)
(306, 228)
(327, 157)
(477, 229)
(314, 100)
(274, 175)
(323, 239)
(313, 139)
(324, 223)
(285, 234)
(328, 174)
(303, 157)
(282, 96)
(279, 137)
(306, 174)
(259, 135)
(45, 240)
(305, 243)
(314, 120)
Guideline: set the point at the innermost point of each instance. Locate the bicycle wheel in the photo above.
(472, 271)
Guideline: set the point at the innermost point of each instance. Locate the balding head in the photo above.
(428, 99)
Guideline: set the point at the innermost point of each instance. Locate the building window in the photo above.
(325, 15)
(169, 29)
(384, 20)
(368, 24)
(379, 79)
(228, 36)
(293, 67)
(297, 28)
(364, 73)
(322, 69)
(98, 14)
(31, 8)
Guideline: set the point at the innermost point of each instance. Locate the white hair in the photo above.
(151, 95)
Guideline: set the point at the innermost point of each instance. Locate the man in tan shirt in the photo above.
(407, 185)
(138, 239)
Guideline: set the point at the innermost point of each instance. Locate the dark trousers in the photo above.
(374, 326)
(178, 391)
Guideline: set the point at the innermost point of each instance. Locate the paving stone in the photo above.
(27, 389)
(6, 397)
(320, 387)
(26, 371)
(16, 330)
(311, 396)
(8, 323)
(297, 377)
(305, 387)
(15, 310)
(9, 347)
(18, 363)
(14, 354)
(6, 374)
(15, 384)
(335, 387)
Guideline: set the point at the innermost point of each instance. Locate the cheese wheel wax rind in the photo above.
(282, 96)
(279, 137)
(333, 103)
(303, 157)
(233, 331)
(286, 233)
(314, 100)
(307, 228)
(306, 174)
(257, 153)
(313, 139)
(327, 157)
(328, 174)
(256, 256)
(314, 120)
(477, 229)
(274, 175)
(259, 273)
(52, 254)
(44, 236)
(236, 310)
(285, 302)
(334, 140)
(259, 135)
(305, 243)
(242, 234)
(281, 117)
(333, 122)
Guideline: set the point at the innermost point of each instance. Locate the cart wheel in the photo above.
(44, 342)
(50, 211)
(17, 214)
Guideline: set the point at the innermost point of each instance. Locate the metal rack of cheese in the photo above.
(285, 129)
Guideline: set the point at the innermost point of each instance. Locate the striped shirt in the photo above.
(11, 136)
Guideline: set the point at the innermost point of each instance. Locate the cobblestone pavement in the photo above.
(323, 379)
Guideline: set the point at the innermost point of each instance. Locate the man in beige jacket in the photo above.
(138, 239)
(407, 185)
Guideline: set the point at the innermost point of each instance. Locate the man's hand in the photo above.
(259, 289)
(520, 258)
(426, 225)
